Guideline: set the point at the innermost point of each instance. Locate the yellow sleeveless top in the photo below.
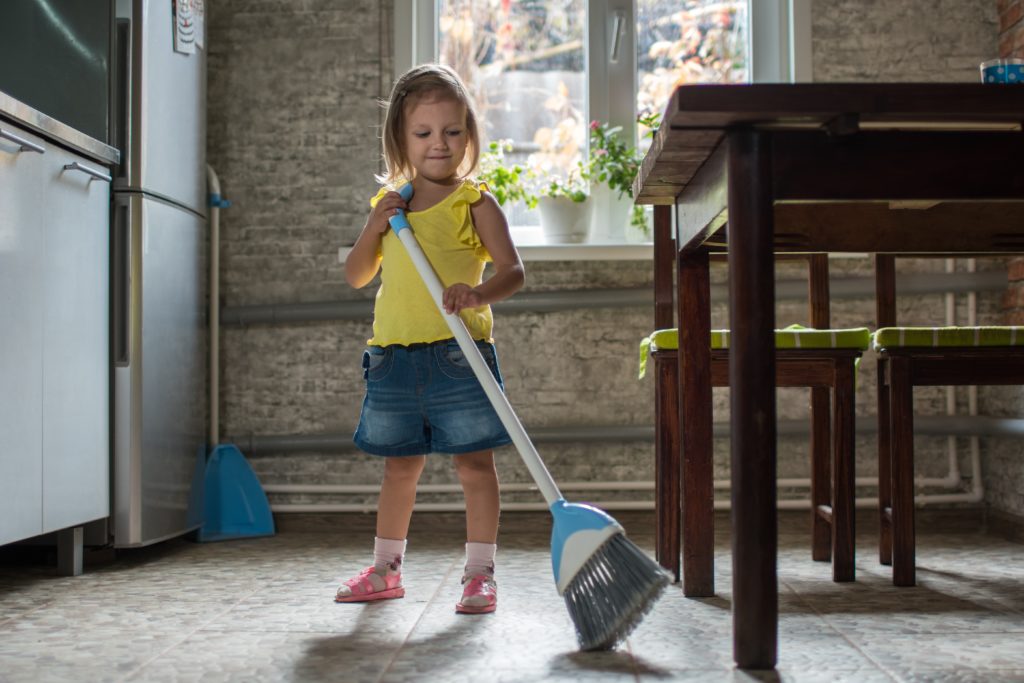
(404, 312)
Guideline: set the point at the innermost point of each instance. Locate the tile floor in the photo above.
(262, 610)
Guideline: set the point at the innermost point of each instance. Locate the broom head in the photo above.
(608, 583)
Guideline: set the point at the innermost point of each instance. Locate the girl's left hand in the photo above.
(459, 296)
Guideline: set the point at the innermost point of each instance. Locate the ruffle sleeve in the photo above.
(467, 195)
(377, 197)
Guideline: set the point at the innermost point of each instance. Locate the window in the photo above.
(542, 70)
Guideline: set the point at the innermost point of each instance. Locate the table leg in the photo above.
(697, 421)
(885, 316)
(901, 454)
(884, 465)
(821, 417)
(666, 461)
(666, 400)
(752, 405)
(844, 492)
(821, 473)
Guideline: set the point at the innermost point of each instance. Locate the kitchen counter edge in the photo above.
(20, 113)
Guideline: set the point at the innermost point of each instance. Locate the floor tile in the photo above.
(263, 609)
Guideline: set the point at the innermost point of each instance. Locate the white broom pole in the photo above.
(508, 418)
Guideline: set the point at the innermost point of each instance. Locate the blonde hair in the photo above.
(418, 82)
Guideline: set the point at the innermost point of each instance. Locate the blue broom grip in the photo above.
(399, 221)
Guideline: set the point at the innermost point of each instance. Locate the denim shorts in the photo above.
(424, 398)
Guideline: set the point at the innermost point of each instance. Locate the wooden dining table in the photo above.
(761, 170)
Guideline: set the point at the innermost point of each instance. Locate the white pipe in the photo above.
(452, 507)
(720, 484)
(977, 492)
(953, 477)
(634, 505)
(214, 189)
(526, 507)
(457, 488)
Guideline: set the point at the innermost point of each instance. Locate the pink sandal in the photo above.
(480, 595)
(370, 585)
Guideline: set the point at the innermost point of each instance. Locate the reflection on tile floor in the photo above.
(262, 610)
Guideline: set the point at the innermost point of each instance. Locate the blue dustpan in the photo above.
(234, 504)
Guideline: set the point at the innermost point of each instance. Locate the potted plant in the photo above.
(615, 163)
(558, 174)
(558, 183)
(506, 182)
(563, 205)
(565, 209)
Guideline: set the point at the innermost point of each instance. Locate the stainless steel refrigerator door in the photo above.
(160, 336)
(163, 99)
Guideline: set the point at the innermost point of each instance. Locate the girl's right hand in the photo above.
(387, 207)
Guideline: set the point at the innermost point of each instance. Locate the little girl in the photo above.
(421, 394)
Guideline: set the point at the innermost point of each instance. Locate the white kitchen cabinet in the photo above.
(54, 338)
(76, 371)
(21, 331)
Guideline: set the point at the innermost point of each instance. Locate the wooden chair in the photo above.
(911, 357)
(822, 359)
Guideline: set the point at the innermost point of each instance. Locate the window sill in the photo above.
(571, 252)
(586, 252)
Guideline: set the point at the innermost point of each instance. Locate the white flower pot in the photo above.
(610, 215)
(564, 221)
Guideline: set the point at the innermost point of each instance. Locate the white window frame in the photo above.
(611, 78)
(780, 49)
(780, 41)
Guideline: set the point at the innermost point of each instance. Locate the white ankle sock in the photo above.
(388, 551)
(480, 558)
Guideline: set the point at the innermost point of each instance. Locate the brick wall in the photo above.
(1011, 28)
(1004, 480)
(1011, 44)
(293, 135)
(905, 41)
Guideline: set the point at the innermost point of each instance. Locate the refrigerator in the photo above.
(159, 277)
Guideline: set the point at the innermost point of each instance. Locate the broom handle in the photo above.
(508, 418)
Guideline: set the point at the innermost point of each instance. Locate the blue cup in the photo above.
(1010, 70)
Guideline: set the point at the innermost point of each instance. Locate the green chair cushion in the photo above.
(792, 337)
(901, 337)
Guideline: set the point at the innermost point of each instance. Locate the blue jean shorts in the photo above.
(424, 399)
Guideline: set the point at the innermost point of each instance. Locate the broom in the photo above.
(608, 583)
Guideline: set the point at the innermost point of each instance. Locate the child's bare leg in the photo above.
(479, 481)
(398, 495)
(480, 486)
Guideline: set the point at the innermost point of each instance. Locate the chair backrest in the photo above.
(665, 257)
(818, 292)
(885, 290)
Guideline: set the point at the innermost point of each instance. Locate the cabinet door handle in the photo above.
(75, 166)
(23, 144)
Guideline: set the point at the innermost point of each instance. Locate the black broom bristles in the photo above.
(612, 592)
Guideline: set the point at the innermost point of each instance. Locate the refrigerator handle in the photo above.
(121, 283)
